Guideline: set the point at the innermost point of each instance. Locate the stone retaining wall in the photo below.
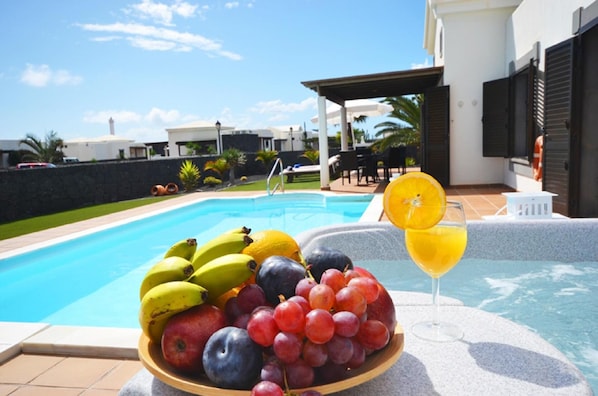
(27, 193)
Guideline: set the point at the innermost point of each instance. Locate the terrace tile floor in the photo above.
(29, 374)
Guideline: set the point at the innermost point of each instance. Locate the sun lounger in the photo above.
(296, 171)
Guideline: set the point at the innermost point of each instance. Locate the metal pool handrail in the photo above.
(281, 183)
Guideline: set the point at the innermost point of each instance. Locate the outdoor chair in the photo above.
(394, 157)
(348, 163)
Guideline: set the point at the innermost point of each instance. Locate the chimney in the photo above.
(111, 121)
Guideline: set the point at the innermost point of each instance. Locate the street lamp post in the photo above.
(218, 125)
(291, 128)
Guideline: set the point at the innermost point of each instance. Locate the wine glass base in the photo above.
(438, 332)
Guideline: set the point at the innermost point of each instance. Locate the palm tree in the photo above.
(48, 150)
(407, 109)
(311, 155)
(266, 157)
(233, 157)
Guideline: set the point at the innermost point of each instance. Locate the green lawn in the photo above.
(304, 182)
(22, 227)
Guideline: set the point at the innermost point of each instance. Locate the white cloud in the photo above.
(43, 75)
(231, 4)
(179, 40)
(157, 45)
(162, 117)
(277, 106)
(162, 13)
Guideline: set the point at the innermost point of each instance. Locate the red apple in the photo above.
(383, 309)
(186, 334)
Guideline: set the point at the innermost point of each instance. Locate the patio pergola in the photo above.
(339, 90)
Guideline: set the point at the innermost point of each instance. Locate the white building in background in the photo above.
(205, 134)
(200, 132)
(103, 148)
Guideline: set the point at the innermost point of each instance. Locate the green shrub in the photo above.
(212, 181)
(189, 175)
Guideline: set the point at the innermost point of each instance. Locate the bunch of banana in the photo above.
(190, 275)
(173, 268)
(222, 273)
(185, 249)
(225, 243)
(163, 301)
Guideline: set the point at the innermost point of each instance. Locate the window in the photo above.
(513, 114)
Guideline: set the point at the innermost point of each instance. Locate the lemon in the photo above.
(415, 200)
(268, 243)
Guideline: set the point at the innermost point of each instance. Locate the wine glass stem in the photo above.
(436, 300)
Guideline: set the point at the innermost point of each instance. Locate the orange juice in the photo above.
(436, 250)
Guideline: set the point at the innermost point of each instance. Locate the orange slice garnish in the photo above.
(414, 200)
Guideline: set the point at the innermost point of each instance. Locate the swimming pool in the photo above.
(93, 280)
(541, 274)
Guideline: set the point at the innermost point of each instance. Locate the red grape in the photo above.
(304, 286)
(340, 349)
(262, 327)
(267, 388)
(314, 354)
(299, 374)
(231, 309)
(301, 301)
(242, 320)
(287, 347)
(272, 371)
(373, 335)
(319, 326)
(333, 278)
(289, 317)
(358, 357)
(350, 299)
(367, 286)
(321, 296)
(346, 323)
(351, 274)
(250, 297)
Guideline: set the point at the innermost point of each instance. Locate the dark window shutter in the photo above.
(557, 122)
(495, 118)
(435, 140)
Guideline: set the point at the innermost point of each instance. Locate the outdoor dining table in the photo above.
(495, 357)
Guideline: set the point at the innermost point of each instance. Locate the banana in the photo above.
(239, 230)
(165, 300)
(185, 249)
(223, 273)
(225, 243)
(172, 268)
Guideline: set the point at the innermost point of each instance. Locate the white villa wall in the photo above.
(470, 59)
(546, 23)
(99, 151)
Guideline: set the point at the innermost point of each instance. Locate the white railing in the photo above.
(280, 185)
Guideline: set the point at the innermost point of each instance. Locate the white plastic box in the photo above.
(529, 205)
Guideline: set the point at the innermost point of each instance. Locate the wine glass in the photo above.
(436, 250)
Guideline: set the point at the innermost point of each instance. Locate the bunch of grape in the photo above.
(316, 335)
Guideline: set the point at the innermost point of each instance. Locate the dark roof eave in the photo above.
(398, 83)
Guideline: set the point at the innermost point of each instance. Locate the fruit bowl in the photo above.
(375, 364)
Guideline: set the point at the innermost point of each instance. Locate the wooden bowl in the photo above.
(375, 364)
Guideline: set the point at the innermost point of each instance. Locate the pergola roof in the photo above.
(398, 83)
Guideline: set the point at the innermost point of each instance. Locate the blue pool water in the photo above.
(555, 300)
(94, 280)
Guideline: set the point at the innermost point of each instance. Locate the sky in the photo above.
(70, 65)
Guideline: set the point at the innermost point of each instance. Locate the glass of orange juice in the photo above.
(436, 250)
